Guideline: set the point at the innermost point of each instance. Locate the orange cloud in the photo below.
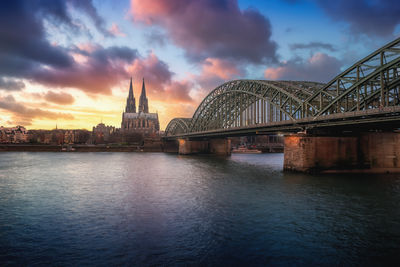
(21, 113)
(223, 69)
(59, 98)
(215, 71)
(147, 11)
(274, 73)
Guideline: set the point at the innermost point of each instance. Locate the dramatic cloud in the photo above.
(24, 45)
(59, 98)
(23, 39)
(158, 77)
(319, 68)
(116, 31)
(313, 46)
(215, 72)
(178, 91)
(24, 114)
(98, 70)
(155, 71)
(211, 28)
(11, 85)
(377, 18)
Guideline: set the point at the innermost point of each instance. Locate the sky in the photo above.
(69, 62)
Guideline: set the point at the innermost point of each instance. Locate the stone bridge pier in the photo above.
(375, 152)
(220, 146)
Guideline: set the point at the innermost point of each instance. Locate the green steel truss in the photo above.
(371, 83)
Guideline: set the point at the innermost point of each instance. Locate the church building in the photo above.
(141, 121)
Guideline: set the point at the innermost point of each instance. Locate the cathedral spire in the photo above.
(143, 102)
(130, 101)
(143, 89)
(130, 90)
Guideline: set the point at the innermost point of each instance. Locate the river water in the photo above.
(146, 209)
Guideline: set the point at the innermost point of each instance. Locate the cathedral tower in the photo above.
(143, 102)
(130, 101)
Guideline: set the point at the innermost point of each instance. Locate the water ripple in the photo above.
(163, 209)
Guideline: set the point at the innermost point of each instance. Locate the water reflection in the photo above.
(152, 209)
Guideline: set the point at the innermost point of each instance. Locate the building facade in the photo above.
(102, 133)
(142, 121)
(13, 135)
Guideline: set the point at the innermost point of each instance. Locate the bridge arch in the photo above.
(245, 102)
(371, 83)
(177, 126)
(241, 103)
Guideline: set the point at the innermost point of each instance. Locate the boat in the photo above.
(245, 150)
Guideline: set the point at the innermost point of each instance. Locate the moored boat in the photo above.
(246, 150)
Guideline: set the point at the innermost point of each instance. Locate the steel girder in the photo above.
(178, 126)
(237, 103)
(371, 83)
(247, 102)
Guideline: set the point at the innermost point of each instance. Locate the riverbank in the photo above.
(155, 147)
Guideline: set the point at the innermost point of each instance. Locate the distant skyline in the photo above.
(69, 62)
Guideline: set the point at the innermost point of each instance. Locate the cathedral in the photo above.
(142, 121)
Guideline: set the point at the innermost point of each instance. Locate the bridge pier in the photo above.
(170, 146)
(220, 146)
(187, 146)
(375, 152)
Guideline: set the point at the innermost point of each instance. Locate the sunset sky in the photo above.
(69, 62)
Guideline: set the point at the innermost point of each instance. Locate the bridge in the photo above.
(344, 117)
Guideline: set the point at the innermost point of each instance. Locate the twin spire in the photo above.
(131, 102)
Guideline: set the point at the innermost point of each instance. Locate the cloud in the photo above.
(216, 71)
(24, 46)
(155, 71)
(25, 114)
(156, 37)
(313, 46)
(11, 85)
(116, 31)
(211, 28)
(23, 39)
(59, 98)
(97, 72)
(374, 18)
(319, 68)
(88, 8)
(179, 91)
(159, 82)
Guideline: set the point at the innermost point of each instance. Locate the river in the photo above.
(146, 209)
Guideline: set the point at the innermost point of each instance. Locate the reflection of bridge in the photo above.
(365, 95)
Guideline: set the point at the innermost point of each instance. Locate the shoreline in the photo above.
(78, 148)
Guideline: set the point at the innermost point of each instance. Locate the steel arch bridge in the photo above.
(366, 91)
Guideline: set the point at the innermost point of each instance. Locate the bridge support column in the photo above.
(187, 147)
(170, 146)
(220, 146)
(381, 151)
(213, 146)
(315, 153)
(366, 152)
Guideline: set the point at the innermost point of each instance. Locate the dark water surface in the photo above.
(144, 209)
